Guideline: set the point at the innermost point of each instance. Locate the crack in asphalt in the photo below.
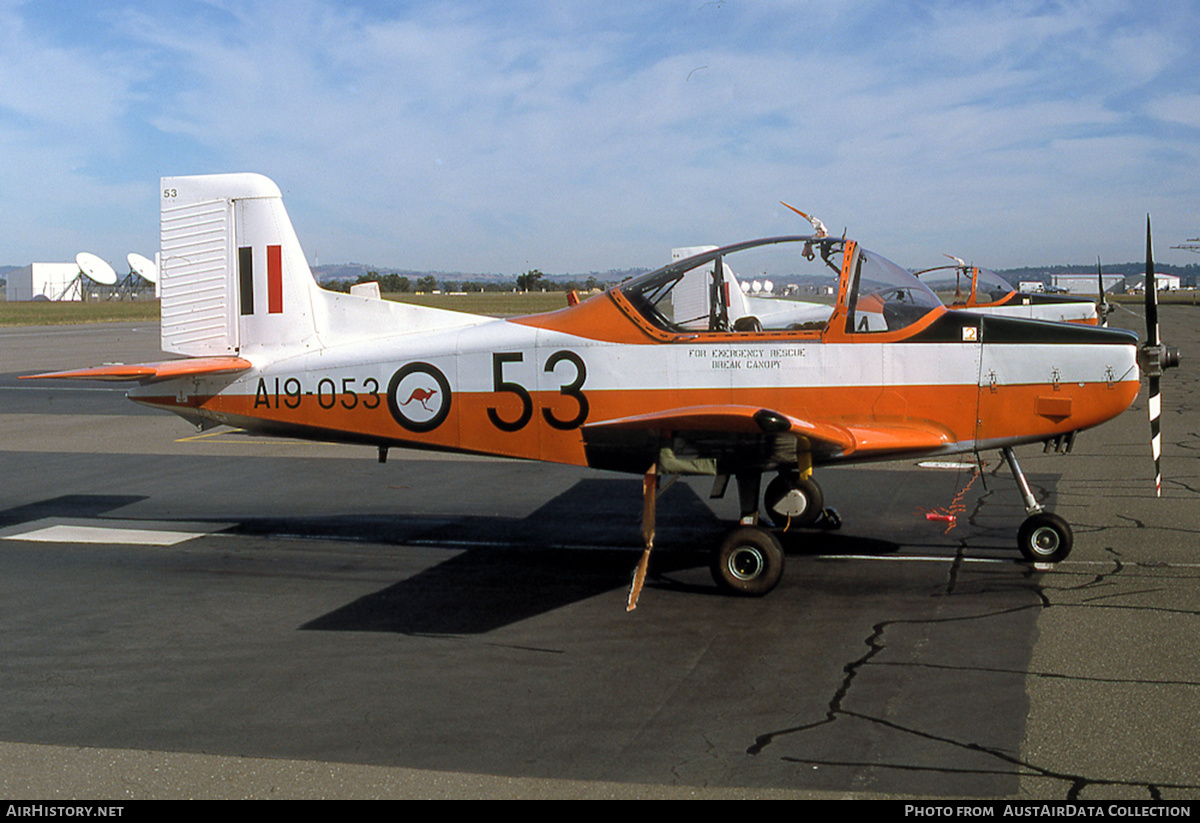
(1018, 766)
(1007, 763)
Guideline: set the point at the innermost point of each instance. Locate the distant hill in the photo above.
(352, 271)
(340, 272)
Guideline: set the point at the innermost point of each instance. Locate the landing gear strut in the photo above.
(749, 562)
(1044, 537)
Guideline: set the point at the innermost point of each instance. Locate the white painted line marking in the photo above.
(115, 532)
(96, 534)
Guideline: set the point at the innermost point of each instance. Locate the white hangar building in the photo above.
(44, 281)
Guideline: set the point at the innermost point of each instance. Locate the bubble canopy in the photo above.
(967, 285)
(700, 293)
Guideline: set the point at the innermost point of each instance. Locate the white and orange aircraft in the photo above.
(971, 288)
(653, 377)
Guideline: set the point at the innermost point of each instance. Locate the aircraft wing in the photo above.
(150, 372)
(832, 438)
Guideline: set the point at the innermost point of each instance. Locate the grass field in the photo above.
(44, 313)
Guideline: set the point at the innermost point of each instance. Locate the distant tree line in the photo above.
(389, 283)
(532, 280)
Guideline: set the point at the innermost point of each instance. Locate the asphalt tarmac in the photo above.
(216, 615)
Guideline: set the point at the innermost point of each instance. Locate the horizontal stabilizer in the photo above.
(150, 372)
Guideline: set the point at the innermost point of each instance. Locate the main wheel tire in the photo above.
(1045, 538)
(793, 500)
(749, 562)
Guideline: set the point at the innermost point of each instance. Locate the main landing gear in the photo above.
(792, 500)
(748, 562)
(750, 559)
(1044, 537)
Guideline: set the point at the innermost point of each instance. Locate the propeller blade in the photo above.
(1151, 292)
(1156, 434)
(1102, 307)
(1155, 395)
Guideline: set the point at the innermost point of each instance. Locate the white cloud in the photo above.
(570, 137)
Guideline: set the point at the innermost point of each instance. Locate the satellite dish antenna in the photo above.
(143, 267)
(768, 286)
(96, 269)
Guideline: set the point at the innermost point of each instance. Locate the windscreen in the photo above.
(768, 285)
(886, 297)
(991, 288)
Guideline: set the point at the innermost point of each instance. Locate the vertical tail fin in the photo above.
(234, 279)
(233, 273)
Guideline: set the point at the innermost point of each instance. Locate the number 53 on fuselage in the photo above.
(668, 373)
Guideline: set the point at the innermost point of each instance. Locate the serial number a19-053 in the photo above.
(347, 392)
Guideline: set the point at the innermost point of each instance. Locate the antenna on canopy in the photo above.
(817, 225)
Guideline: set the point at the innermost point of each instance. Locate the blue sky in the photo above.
(572, 137)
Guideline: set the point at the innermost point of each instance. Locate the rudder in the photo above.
(233, 274)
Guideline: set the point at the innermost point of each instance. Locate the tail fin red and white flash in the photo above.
(226, 243)
(236, 288)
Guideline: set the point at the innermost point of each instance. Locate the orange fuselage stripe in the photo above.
(967, 412)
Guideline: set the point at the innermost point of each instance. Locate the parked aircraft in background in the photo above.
(963, 286)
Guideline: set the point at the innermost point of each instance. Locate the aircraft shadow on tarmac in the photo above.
(480, 590)
(68, 505)
(582, 543)
(535, 571)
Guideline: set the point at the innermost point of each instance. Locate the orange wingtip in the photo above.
(187, 367)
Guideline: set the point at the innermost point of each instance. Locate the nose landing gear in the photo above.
(1044, 537)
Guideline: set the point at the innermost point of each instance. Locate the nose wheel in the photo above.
(1044, 537)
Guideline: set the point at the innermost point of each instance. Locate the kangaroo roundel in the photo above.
(419, 397)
